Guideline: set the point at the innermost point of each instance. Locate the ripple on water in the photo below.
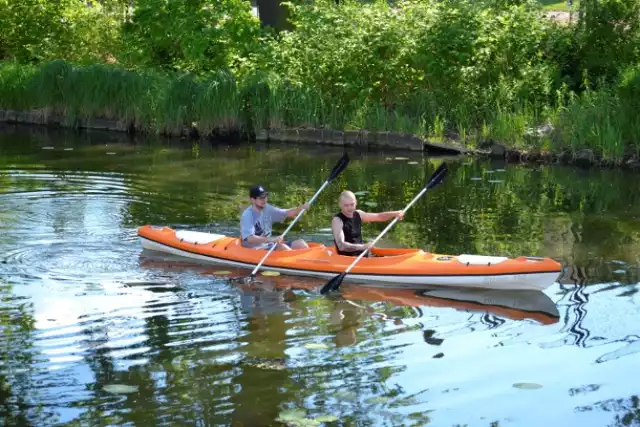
(169, 310)
(69, 262)
(126, 326)
(40, 184)
(87, 326)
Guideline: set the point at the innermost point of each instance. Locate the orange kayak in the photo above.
(411, 268)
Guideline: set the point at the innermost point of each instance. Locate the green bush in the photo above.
(477, 70)
(197, 36)
(608, 37)
(36, 30)
(452, 60)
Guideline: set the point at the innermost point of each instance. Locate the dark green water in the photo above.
(96, 332)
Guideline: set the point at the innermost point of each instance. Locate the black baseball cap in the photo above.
(257, 191)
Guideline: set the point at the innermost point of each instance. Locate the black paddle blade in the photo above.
(339, 167)
(438, 176)
(333, 284)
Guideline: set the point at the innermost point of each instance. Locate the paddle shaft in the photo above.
(315, 196)
(387, 228)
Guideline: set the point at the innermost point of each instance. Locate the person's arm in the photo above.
(380, 216)
(292, 212)
(338, 235)
(255, 240)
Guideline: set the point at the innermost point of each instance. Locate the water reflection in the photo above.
(94, 331)
(16, 360)
(272, 294)
(628, 410)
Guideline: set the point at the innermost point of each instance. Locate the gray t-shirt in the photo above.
(259, 223)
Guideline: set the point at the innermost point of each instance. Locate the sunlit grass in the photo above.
(555, 5)
(150, 101)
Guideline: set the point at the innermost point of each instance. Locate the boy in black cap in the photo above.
(256, 222)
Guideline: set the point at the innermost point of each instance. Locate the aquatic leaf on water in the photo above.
(120, 388)
(405, 401)
(527, 386)
(419, 418)
(292, 415)
(316, 346)
(357, 355)
(304, 422)
(377, 399)
(326, 418)
(297, 418)
(270, 273)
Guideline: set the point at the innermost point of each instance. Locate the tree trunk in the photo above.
(273, 14)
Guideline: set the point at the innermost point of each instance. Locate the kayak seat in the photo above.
(480, 259)
(386, 252)
(381, 252)
(235, 242)
(197, 237)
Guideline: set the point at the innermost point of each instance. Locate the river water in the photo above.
(94, 331)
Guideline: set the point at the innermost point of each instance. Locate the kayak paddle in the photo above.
(337, 169)
(436, 178)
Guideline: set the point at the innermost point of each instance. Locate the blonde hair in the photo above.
(347, 195)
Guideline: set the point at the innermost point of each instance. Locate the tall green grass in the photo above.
(15, 80)
(605, 121)
(217, 104)
(149, 101)
(600, 121)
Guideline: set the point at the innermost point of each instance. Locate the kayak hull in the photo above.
(400, 268)
(510, 304)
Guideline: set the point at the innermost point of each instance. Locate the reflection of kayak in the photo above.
(516, 305)
(402, 267)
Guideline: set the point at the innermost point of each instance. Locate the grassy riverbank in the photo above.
(476, 73)
(604, 121)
